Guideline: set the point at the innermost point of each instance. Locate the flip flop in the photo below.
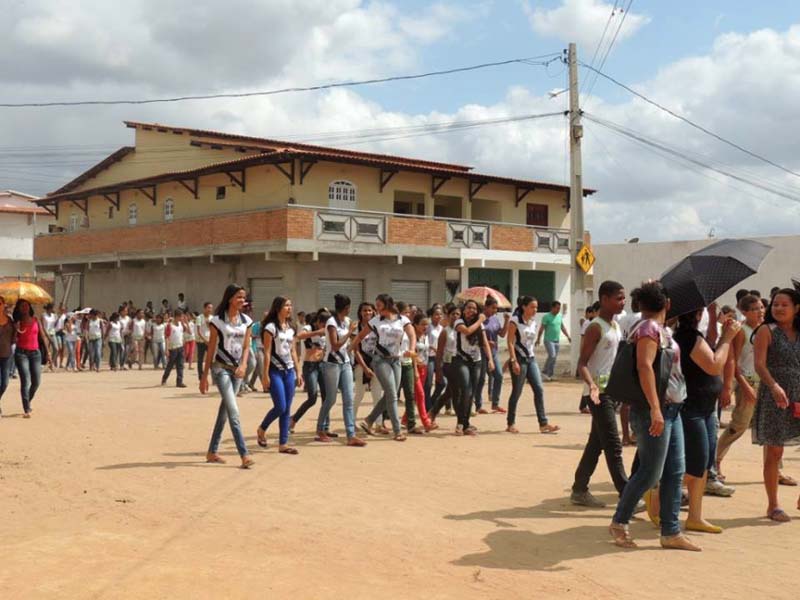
(261, 438)
(779, 516)
(247, 463)
(787, 480)
(289, 451)
(549, 429)
(216, 459)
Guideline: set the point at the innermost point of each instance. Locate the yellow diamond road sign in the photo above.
(585, 259)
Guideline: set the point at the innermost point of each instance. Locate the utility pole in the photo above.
(578, 296)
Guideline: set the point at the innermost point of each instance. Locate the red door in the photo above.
(537, 215)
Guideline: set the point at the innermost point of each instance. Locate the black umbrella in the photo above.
(703, 276)
(796, 283)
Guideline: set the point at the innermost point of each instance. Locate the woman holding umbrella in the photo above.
(776, 422)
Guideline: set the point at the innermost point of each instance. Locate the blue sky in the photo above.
(676, 30)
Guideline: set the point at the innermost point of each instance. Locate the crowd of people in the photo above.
(444, 358)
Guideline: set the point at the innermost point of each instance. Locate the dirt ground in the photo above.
(104, 493)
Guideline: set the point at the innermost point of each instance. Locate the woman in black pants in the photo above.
(470, 339)
(312, 337)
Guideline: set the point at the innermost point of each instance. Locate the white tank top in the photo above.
(450, 345)
(605, 352)
(747, 362)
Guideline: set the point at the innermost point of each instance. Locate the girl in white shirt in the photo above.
(470, 338)
(337, 372)
(279, 375)
(114, 335)
(313, 339)
(364, 354)
(522, 333)
(389, 328)
(137, 337)
(434, 331)
(228, 348)
(174, 333)
(158, 338)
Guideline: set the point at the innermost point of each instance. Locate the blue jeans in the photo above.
(5, 373)
(228, 387)
(281, 389)
(70, 346)
(389, 372)
(175, 360)
(465, 383)
(29, 366)
(552, 355)
(661, 459)
(115, 358)
(495, 379)
(338, 376)
(528, 371)
(312, 375)
(432, 391)
(700, 438)
(159, 359)
(95, 353)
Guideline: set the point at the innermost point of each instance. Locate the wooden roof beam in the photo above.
(83, 207)
(437, 182)
(241, 181)
(288, 172)
(520, 193)
(305, 167)
(151, 194)
(193, 189)
(113, 199)
(475, 187)
(386, 176)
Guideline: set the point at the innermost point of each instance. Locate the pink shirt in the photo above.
(28, 335)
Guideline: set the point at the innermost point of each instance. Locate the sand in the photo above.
(105, 494)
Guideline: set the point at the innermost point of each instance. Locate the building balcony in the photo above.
(306, 229)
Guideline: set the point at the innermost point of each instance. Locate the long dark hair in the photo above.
(340, 303)
(795, 297)
(476, 336)
(16, 315)
(387, 301)
(230, 292)
(522, 302)
(272, 316)
(361, 307)
(688, 321)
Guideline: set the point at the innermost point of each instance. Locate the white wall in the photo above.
(630, 264)
(16, 242)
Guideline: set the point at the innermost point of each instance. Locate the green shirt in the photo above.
(552, 327)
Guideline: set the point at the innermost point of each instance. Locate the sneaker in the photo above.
(717, 488)
(585, 499)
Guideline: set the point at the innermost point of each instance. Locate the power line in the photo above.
(692, 123)
(342, 84)
(768, 187)
(608, 50)
(602, 37)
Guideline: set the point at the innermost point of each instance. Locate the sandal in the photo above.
(549, 429)
(400, 438)
(779, 516)
(622, 535)
(415, 431)
(431, 426)
(365, 427)
(383, 430)
(512, 429)
(321, 437)
(247, 463)
(288, 451)
(261, 437)
(332, 434)
(215, 458)
(786, 480)
(356, 441)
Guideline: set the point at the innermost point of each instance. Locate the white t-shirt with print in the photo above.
(342, 332)
(282, 342)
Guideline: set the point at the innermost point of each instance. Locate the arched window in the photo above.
(73, 222)
(169, 210)
(133, 214)
(342, 194)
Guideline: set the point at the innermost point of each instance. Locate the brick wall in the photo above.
(218, 230)
(519, 239)
(417, 232)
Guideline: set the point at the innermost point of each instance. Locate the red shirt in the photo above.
(28, 335)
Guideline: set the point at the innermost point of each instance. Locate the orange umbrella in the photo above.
(479, 295)
(11, 291)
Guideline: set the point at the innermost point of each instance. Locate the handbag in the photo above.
(623, 381)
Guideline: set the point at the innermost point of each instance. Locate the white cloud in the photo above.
(583, 22)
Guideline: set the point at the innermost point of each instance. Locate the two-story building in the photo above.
(188, 210)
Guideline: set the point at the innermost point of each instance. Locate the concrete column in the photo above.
(466, 208)
(429, 201)
(514, 287)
